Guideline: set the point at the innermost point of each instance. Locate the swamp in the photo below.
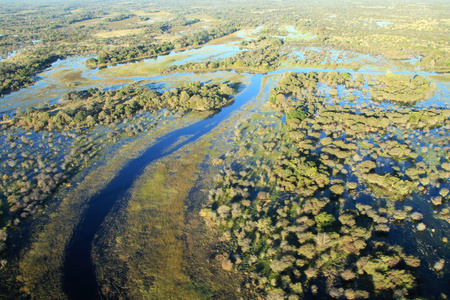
(224, 150)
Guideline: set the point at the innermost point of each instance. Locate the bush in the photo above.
(296, 113)
(324, 219)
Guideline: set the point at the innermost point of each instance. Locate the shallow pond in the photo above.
(11, 54)
(383, 23)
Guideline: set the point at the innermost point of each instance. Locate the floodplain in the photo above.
(267, 159)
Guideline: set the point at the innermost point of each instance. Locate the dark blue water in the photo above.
(79, 273)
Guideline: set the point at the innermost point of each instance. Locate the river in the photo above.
(79, 275)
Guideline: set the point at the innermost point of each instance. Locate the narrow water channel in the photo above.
(78, 270)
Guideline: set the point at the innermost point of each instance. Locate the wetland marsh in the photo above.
(257, 163)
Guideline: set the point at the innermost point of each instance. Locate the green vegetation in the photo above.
(402, 88)
(169, 252)
(279, 198)
(66, 137)
(267, 56)
(86, 109)
(39, 269)
(326, 183)
(19, 74)
(120, 33)
(324, 219)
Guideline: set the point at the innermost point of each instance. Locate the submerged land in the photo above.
(261, 150)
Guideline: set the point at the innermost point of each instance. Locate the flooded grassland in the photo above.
(40, 265)
(159, 249)
(337, 200)
(302, 182)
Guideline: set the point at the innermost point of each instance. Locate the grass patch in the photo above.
(234, 37)
(150, 242)
(118, 32)
(160, 249)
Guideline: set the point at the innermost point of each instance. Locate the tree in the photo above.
(324, 219)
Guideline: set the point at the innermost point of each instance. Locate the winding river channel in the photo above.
(79, 275)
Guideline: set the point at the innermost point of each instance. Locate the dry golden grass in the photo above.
(69, 77)
(419, 25)
(234, 37)
(166, 38)
(178, 29)
(204, 23)
(155, 16)
(120, 32)
(205, 20)
(122, 24)
(141, 68)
